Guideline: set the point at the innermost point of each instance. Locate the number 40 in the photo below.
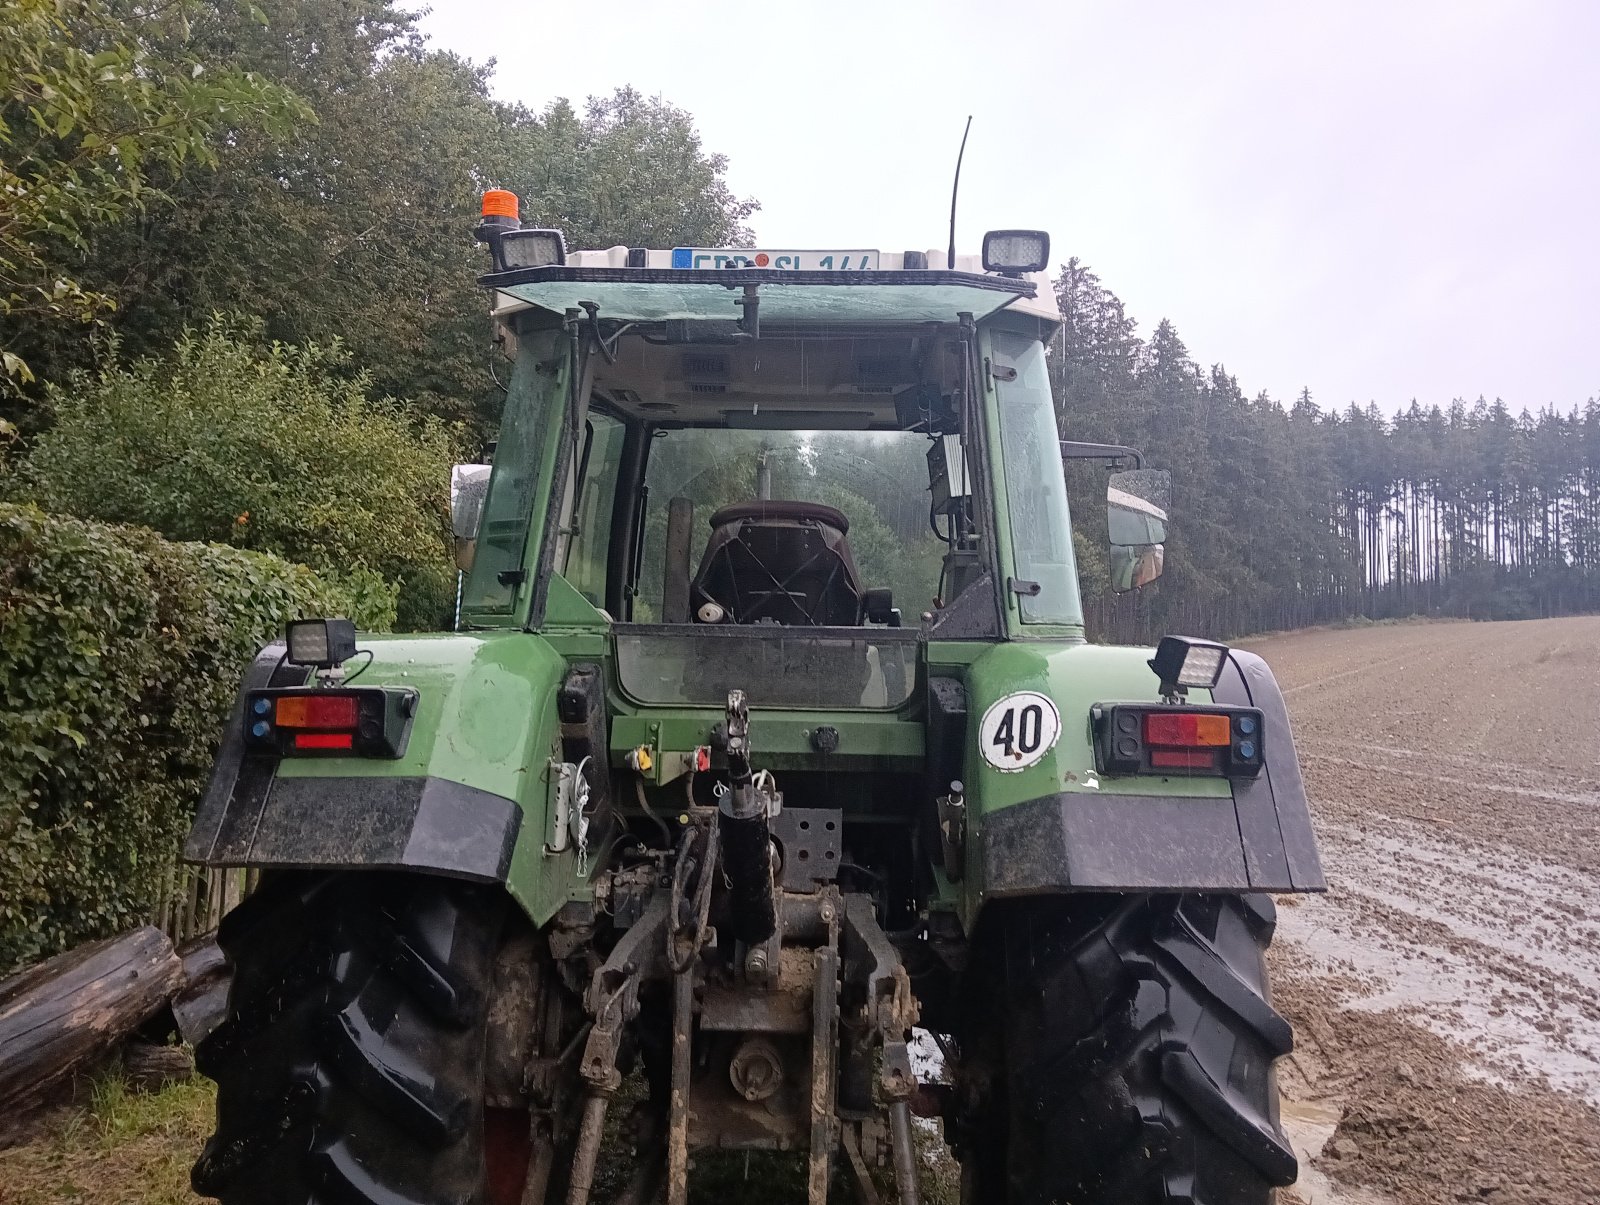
(1020, 733)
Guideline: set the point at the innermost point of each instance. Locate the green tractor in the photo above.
(767, 735)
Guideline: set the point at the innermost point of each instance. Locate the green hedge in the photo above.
(120, 654)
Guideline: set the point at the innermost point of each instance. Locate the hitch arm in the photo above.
(613, 1001)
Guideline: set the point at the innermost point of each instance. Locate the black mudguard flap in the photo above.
(1259, 840)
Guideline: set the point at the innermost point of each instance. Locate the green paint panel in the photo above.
(565, 608)
(486, 717)
(1076, 676)
(779, 740)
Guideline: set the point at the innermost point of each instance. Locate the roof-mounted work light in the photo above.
(1014, 252)
(1181, 662)
(321, 643)
(530, 249)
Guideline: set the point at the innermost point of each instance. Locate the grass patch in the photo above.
(124, 1148)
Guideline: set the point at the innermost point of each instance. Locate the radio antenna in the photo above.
(955, 190)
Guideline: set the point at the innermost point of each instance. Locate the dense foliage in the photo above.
(359, 224)
(1285, 516)
(94, 110)
(120, 655)
(279, 451)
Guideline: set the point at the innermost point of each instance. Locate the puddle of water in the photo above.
(1479, 896)
(1469, 1002)
(1512, 924)
(1477, 762)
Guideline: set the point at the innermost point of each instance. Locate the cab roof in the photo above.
(653, 290)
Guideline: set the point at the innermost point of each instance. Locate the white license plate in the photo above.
(785, 261)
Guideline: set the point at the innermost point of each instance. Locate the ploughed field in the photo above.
(1446, 992)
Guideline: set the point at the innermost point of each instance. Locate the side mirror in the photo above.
(469, 487)
(1137, 502)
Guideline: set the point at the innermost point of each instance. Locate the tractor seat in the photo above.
(773, 508)
(780, 561)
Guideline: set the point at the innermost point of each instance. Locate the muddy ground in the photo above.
(1446, 992)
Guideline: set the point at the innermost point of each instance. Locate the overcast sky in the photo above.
(1379, 199)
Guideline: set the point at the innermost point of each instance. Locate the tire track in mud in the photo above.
(1525, 1002)
(1447, 990)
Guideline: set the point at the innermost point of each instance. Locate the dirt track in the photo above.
(1447, 991)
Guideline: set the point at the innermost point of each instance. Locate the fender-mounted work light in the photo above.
(1181, 662)
(322, 643)
(1013, 252)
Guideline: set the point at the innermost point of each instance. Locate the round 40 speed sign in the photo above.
(1019, 730)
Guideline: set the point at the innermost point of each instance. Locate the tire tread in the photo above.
(347, 1073)
(1140, 1040)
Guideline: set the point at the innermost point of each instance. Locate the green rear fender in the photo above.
(1056, 824)
(469, 798)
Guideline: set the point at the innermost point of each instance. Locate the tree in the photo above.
(630, 171)
(97, 102)
(1285, 517)
(360, 224)
(282, 452)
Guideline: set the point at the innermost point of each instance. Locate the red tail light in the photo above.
(368, 721)
(1168, 739)
(324, 740)
(317, 711)
(1186, 729)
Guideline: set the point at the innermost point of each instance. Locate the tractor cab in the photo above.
(852, 446)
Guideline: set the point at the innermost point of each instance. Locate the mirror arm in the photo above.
(1072, 450)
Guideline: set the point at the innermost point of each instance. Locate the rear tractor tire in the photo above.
(1128, 1058)
(350, 1070)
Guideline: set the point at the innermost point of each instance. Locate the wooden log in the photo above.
(149, 1068)
(201, 1002)
(78, 1005)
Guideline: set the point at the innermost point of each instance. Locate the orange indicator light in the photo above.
(317, 711)
(1186, 730)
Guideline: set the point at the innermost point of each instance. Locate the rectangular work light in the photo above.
(323, 643)
(1013, 252)
(531, 249)
(1182, 662)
